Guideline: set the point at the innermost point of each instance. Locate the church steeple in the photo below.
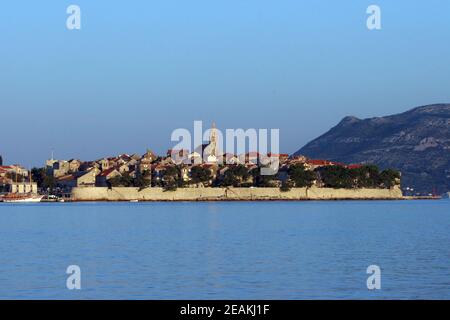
(213, 139)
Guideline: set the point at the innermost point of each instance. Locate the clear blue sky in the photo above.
(139, 69)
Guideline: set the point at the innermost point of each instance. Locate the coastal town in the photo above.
(203, 168)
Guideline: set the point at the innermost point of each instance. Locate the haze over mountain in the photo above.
(416, 142)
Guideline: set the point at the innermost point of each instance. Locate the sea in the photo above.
(226, 250)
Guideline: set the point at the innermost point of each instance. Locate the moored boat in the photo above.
(21, 198)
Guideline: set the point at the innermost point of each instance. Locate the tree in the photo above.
(389, 177)
(15, 177)
(367, 176)
(171, 177)
(286, 186)
(200, 174)
(38, 175)
(337, 177)
(300, 176)
(140, 182)
(262, 181)
(236, 176)
(43, 179)
(125, 180)
(49, 183)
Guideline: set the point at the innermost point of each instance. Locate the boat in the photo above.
(21, 198)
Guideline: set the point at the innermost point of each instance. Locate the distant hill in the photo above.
(416, 142)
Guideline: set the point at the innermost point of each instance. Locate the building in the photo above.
(210, 151)
(16, 179)
(79, 179)
(4, 170)
(145, 165)
(102, 179)
(57, 168)
(23, 187)
(104, 164)
(74, 165)
(179, 156)
(282, 157)
(150, 155)
(229, 158)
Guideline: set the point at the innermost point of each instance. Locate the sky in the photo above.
(137, 70)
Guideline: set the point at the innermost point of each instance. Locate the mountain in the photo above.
(416, 142)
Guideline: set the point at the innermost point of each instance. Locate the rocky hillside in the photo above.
(416, 142)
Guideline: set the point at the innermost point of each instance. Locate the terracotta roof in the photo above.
(270, 154)
(319, 162)
(354, 166)
(107, 172)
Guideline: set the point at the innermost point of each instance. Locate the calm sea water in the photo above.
(232, 250)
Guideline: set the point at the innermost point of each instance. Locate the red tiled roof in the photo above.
(354, 166)
(319, 162)
(281, 155)
(107, 172)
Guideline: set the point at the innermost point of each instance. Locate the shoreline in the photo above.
(234, 200)
(99, 194)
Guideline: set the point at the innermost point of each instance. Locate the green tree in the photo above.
(367, 176)
(140, 182)
(43, 179)
(15, 177)
(300, 176)
(125, 180)
(337, 177)
(236, 176)
(286, 186)
(262, 181)
(200, 174)
(389, 177)
(38, 175)
(49, 183)
(171, 177)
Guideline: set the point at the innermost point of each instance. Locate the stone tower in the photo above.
(213, 140)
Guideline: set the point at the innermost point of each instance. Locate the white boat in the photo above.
(21, 198)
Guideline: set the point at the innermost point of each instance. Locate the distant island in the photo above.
(226, 176)
(416, 142)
